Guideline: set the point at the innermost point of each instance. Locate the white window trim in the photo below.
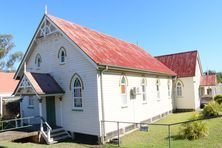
(144, 92)
(62, 50)
(181, 89)
(124, 94)
(169, 89)
(158, 91)
(76, 108)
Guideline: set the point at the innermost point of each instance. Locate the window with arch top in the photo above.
(62, 55)
(77, 92)
(158, 88)
(123, 90)
(38, 60)
(169, 88)
(143, 84)
(179, 89)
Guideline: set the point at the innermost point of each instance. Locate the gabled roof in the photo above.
(43, 84)
(183, 64)
(103, 50)
(107, 50)
(7, 83)
(208, 80)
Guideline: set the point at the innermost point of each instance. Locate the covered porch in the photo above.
(41, 96)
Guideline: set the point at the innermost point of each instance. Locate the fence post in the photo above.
(118, 133)
(169, 136)
(16, 123)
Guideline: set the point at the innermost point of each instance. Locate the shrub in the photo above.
(212, 109)
(218, 99)
(194, 130)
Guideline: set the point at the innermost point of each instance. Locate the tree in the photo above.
(210, 72)
(219, 77)
(8, 59)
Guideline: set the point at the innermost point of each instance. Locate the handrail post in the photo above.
(41, 124)
(48, 134)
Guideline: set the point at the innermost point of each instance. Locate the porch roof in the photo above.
(42, 83)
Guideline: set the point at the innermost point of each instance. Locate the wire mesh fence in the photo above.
(160, 135)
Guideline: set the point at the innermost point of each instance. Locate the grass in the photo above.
(156, 137)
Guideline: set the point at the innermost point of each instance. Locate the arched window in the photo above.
(77, 91)
(38, 60)
(158, 88)
(123, 90)
(62, 60)
(169, 88)
(179, 89)
(62, 55)
(143, 84)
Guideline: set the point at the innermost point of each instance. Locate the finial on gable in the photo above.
(46, 9)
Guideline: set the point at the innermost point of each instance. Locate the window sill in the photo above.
(37, 68)
(62, 63)
(77, 109)
(30, 107)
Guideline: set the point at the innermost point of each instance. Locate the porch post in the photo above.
(40, 113)
(21, 111)
(60, 100)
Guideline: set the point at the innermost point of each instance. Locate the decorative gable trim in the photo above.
(45, 17)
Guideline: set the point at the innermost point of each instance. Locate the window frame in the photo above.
(169, 88)
(143, 92)
(38, 61)
(179, 89)
(80, 89)
(123, 95)
(158, 89)
(31, 102)
(62, 58)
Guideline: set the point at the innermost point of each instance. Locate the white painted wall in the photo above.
(136, 110)
(196, 81)
(86, 121)
(190, 91)
(186, 101)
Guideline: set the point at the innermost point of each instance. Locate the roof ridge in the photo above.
(94, 30)
(178, 53)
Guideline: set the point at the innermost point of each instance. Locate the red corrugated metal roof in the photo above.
(106, 50)
(7, 83)
(208, 80)
(184, 63)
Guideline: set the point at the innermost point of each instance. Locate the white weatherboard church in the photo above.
(74, 78)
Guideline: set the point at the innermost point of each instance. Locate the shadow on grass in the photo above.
(176, 137)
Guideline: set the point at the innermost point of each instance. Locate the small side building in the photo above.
(188, 68)
(208, 88)
(7, 87)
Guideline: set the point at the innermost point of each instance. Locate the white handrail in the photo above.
(47, 136)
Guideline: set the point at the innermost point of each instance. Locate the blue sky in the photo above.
(159, 26)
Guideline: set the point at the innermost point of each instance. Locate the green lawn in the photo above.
(156, 137)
